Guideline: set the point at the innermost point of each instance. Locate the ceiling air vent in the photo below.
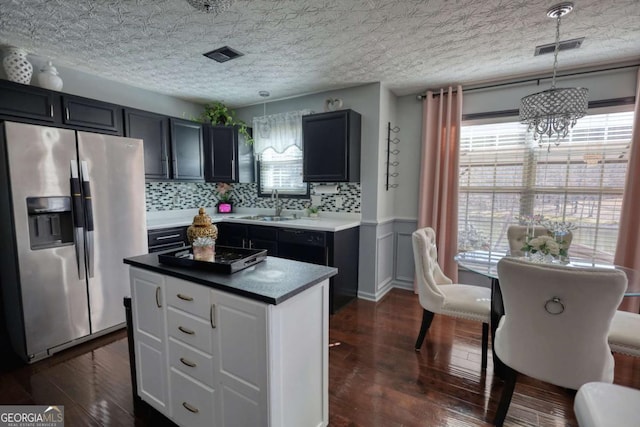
(564, 45)
(223, 54)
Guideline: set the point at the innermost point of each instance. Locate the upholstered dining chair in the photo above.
(556, 324)
(438, 295)
(607, 405)
(624, 334)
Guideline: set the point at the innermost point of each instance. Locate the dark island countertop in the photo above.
(273, 280)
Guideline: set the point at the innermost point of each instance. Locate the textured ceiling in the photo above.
(293, 47)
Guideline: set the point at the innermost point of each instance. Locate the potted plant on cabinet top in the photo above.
(219, 114)
(313, 211)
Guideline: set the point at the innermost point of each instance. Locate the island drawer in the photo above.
(190, 330)
(192, 403)
(192, 362)
(190, 297)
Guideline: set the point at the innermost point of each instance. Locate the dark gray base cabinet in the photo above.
(167, 238)
(338, 249)
(248, 236)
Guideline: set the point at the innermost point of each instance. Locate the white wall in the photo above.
(90, 86)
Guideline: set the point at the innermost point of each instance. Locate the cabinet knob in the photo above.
(187, 362)
(212, 316)
(190, 408)
(158, 303)
(184, 297)
(186, 331)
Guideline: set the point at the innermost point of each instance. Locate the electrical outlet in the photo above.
(316, 200)
(338, 200)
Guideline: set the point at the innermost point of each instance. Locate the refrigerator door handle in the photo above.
(78, 219)
(88, 209)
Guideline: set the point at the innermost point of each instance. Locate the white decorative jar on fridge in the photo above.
(49, 78)
(16, 66)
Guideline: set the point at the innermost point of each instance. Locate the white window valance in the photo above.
(278, 131)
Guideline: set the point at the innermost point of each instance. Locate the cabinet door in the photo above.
(187, 150)
(92, 114)
(264, 238)
(153, 129)
(235, 235)
(221, 160)
(22, 101)
(148, 303)
(242, 362)
(331, 146)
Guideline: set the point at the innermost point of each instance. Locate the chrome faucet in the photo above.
(274, 194)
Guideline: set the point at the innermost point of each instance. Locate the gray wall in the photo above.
(90, 86)
(602, 85)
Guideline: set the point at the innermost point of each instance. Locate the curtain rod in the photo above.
(535, 79)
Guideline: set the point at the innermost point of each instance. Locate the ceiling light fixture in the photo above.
(553, 112)
(211, 6)
(264, 125)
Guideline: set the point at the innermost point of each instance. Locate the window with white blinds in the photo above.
(503, 175)
(282, 172)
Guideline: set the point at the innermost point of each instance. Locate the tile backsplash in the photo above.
(167, 195)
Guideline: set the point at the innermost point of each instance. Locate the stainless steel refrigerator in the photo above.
(72, 206)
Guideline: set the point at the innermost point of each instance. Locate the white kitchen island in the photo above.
(242, 349)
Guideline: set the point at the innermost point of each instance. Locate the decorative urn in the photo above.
(201, 227)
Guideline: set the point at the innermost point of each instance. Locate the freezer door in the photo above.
(112, 169)
(52, 291)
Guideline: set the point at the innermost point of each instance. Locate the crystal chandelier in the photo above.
(553, 112)
(211, 6)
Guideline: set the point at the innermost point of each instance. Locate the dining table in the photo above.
(485, 263)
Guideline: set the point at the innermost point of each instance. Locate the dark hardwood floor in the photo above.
(375, 376)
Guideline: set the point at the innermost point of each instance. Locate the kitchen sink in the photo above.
(268, 218)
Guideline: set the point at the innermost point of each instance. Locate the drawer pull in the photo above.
(186, 331)
(158, 297)
(212, 316)
(184, 297)
(168, 236)
(187, 362)
(190, 408)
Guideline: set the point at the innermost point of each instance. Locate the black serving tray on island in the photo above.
(228, 259)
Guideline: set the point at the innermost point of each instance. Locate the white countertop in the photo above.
(327, 221)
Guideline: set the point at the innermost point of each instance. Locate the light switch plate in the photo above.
(316, 200)
(338, 200)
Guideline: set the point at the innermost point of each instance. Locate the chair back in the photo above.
(517, 237)
(557, 320)
(429, 276)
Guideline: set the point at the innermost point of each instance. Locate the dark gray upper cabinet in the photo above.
(186, 150)
(91, 114)
(153, 129)
(23, 101)
(331, 146)
(221, 153)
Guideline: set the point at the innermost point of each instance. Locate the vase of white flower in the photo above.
(542, 249)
